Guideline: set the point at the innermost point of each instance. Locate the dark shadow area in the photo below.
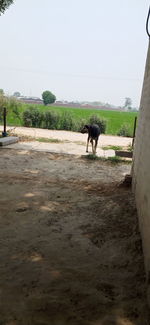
(70, 248)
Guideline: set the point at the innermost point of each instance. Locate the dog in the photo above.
(93, 135)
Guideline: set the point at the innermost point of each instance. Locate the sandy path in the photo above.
(68, 142)
(70, 136)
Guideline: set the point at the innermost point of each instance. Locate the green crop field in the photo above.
(115, 120)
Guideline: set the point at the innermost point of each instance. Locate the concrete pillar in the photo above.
(141, 168)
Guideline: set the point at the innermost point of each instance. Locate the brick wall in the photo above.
(141, 167)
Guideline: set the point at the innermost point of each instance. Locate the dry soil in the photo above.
(70, 248)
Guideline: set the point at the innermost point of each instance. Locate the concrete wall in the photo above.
(141, 167)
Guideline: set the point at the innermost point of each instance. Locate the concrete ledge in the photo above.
(8, 140)
(127, 154)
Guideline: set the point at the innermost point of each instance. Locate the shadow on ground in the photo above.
(70, 245)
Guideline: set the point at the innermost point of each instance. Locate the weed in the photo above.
(125, 131)
(49, 140)
(112, 160)
(112, 147)
(130, 148)
(101, 122)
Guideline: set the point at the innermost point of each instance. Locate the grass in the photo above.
(115, 119)
(49, 140)
(45, 140)
(113, 160)
(130, 148)
(112, 147)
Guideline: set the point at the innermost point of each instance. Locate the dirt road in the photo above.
(65, 142)
(70, 250)
(75, 137)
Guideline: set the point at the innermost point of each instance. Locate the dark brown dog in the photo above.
(93, 135)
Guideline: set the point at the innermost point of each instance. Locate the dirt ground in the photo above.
(70, 249)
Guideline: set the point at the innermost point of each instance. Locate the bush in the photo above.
(80, 124)
(32, 117)
(58, 121)
(37, 118)
(67, 122)
(26, 116)
(125, 131)
(51, 120)
(13, 106)
(101, 122)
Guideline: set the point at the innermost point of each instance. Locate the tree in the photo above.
(128, 103)
(4, 4)
(11, 104)
(48, 97)
(1, 92)
(16, 94)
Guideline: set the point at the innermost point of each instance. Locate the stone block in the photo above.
(8, 140)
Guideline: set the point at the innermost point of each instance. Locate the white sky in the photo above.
(78, 49)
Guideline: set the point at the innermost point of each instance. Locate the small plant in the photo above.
(130, 148)
(114, 159)
(36, 117)
(26, 116)
(49, 140)
(32, 117)
(125, 131)
(51, 120)
(80, 124)
(13, 106)
(91, 157)
(112, 148)
(67, 122)
(101, 122)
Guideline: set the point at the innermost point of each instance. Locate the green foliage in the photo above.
(67, 122)
(11, 105)
(37, 118)
(109, 147)
(80, 124)
(48, 97)
(91, 157)
(1, 92)
(32, 117)
(130, 148)
(49, 140)
(114, 119)
(101, 122)
(26, 116)
(51, 120)
(125, 131)
(114, 160)
(4, 4)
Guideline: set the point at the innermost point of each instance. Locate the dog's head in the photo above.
(85, 129)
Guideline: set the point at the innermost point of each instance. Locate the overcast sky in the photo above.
(78, 49)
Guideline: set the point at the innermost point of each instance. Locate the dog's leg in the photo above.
(92, 146)
(87, 143)
(96, 142)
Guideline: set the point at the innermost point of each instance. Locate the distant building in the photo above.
(30, 100)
